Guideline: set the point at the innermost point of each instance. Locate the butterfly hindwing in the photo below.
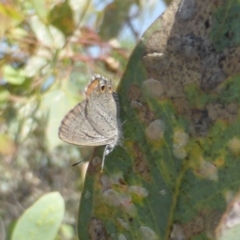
(76, 129)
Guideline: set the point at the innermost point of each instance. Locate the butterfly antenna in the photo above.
(75, 164)
(84, 160)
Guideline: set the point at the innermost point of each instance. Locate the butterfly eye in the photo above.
(102, 88)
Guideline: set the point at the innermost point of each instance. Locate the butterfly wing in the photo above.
(102, 112)
(76, 129)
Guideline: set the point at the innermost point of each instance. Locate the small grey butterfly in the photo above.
(95, 120)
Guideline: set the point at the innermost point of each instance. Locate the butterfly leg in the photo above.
(107, 150)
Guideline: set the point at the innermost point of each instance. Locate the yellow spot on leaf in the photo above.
(234, 146)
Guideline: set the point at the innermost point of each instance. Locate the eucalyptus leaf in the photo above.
(42, 220)
(13, 76)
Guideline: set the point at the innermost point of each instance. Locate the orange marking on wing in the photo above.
(91, 87)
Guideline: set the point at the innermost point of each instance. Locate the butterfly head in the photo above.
(99, 85)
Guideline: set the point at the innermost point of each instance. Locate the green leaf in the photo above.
(10, 17)
(11, 11)
(41, 9)
(13, 76)
(42, 220)
(225, 30)
(4, 94)
(34, 65)
(7, 145)
(115, 16)
(47, 34)
(231, 233)
(67, 231)
(61, 16)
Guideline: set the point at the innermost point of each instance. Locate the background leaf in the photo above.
(61, 16)
(13, 76)
(42, 220)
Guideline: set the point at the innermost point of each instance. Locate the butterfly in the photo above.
(95, 120)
